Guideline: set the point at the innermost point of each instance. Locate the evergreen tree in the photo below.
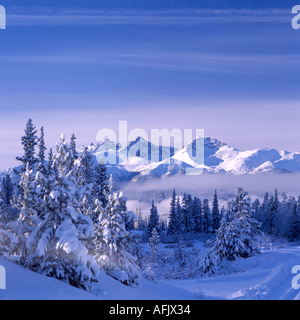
(153, 220)
(85, 171)
(29, 141)
(236, 238)
(188, 223)
(50, 162)
(101, 185)
(174, 219)
(293, 232)
(256, 209)
(73, 151)
(7, 190)
(41, 154)
(57, 244)
(113, 242)
(153, 263)
(206, 214)
(272, 212)
(28, 218)
(265, 211)
(197, 215)
(222, 245)
(184, 213)
(239, 237)
(211, 263)
(85, 178)
(215, 214)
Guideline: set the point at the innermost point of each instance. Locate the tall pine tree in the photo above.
(153, 222)
(101, 184)
(215, 214)
(174, 218)
(29, 141)
(41, 154)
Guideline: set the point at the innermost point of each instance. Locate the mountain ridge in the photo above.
(219, 157)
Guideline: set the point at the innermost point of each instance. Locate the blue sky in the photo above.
(229, 67)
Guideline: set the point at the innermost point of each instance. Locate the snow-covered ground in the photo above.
(265, 276)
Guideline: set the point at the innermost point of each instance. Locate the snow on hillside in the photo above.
(265, 276)
(23, 284)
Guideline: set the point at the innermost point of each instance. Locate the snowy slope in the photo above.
(265, 276)
(23, 284)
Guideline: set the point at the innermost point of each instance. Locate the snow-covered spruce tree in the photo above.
(186, 213)
(7, 191)
(85, 177)
(222, 246)
(50, 161)
(7, 214)
(197, 216)
(85, 171)
(29, 141)
(174, 218)
(191, 223)
(211, 263)
(130, 217)
(293, 229)
(153, 262)
(272, 212)
(153, 220)
(28, 218)
(41, 166)
(215, 214)
(206, 214)
(113, 242)
(179, 215)
(73, 150)
(239, 237)
(222, 250)
(57, 244)
(101, 184)
(8, 240)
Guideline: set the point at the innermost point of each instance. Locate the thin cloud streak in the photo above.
(253, 63)
(44, 17)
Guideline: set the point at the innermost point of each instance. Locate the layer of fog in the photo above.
(203, 186)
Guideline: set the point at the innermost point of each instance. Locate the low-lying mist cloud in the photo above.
(205, 184)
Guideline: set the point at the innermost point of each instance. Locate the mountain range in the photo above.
(219, 157)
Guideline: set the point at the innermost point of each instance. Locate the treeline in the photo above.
(190, 216)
